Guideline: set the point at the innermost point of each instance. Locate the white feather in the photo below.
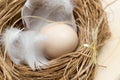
(55, 10)
(25, 47)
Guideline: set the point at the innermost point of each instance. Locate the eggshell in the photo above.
(61, 39)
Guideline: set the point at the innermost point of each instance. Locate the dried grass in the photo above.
(79, 65)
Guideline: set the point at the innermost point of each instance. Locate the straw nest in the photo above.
(93, 31)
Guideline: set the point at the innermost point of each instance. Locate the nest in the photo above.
(93, 31)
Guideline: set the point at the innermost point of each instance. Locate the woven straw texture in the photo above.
(93, 31)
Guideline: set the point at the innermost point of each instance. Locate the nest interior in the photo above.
(93, 31)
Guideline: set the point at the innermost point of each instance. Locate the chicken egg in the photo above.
(61, 39)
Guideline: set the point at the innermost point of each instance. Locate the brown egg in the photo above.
(61, 39)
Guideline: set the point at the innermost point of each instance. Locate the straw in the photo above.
(81, 64)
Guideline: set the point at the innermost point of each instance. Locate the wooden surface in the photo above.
(110, 53)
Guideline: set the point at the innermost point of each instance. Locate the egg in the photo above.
(60, 39)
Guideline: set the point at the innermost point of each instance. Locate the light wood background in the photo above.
(110, 53)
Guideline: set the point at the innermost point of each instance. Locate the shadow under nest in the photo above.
(93, 31)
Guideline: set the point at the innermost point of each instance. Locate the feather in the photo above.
(25, 47)
(54, 10)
